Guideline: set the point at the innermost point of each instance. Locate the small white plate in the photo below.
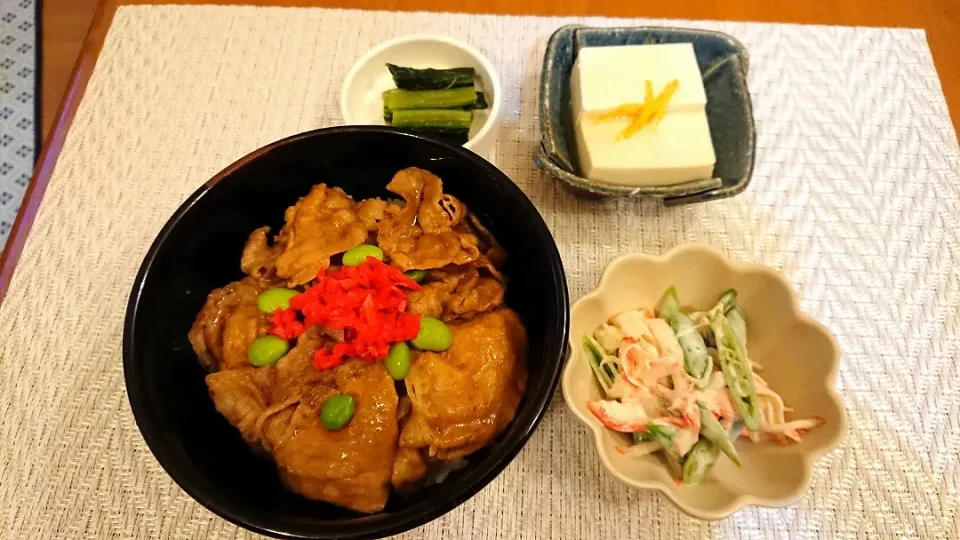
(361, 100)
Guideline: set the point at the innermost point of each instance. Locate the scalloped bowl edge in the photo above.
(666, 486)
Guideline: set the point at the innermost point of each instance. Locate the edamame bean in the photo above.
(271, 300)
(416, 275)
(434, 335)
(356, 256)
(398, 361)
(266, 350)
(337, 411)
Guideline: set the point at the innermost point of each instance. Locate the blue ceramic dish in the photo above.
(723, 62)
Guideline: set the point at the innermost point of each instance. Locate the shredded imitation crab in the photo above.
(684, 385)
(366, 302)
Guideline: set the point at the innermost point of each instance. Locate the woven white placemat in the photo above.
(855, 197)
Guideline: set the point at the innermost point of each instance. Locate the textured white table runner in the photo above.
(856, 197)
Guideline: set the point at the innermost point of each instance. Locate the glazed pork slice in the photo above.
(320, 225)
(278, 408)
(350, 467)
(465, 396)
(456, 294)
(259, 258)
(226, 325)
(421, 234)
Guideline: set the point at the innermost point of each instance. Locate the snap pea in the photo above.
(416, 275)
(595, 355)
(739, 324)
(337, 411)
(434, 335)
(703, 456)
(696, 362)
(712, 431)
(271, 300)
(699, 461)
(266, 350)
(737, 372)
(728, 300)
(356, 256)
(662, 435)
(669, 304)
(397, 361)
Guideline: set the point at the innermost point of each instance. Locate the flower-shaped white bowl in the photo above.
(798, 355)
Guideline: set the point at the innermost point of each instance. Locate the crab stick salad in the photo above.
(683, 384)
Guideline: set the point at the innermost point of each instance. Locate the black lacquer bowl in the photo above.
(199, 250)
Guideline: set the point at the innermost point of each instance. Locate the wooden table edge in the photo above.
(53, 144)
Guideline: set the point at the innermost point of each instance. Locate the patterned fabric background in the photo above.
(18, 70)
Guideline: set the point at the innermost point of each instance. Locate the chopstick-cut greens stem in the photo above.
(432, 118)
(595, 357)
(737, 372)
(712, 431)
(481, 103)
(452, 98)
(431, 79)
(696, 362)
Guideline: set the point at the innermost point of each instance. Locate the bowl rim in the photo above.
(494, 78)
(740, 500)
(523, 425)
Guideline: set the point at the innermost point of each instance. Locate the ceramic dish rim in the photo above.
(740, 500)
(494, 78)
(149, 427)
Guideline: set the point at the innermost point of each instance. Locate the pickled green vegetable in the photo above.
(271, 300)
(481, 103)
(416, 275)
(442, 119)
(434, 335)
(431, 79)
(266, 350)
(453, 98)
(356, 256)
(337, 411)
(397, 361)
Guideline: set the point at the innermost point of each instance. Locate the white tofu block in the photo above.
(676, 150)
(611, 76)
